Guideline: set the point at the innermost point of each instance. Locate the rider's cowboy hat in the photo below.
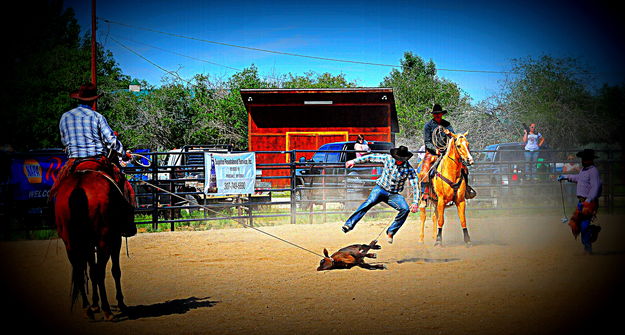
(587, 154)
(86, 92)
(438, 109)
(401, 154)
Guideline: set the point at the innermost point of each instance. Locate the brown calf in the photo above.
(351, 256)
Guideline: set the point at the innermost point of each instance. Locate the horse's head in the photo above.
(461, 146)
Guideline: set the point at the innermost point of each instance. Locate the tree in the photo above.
(312, 79)
(48, 60)
(551, 92)
(417, 88)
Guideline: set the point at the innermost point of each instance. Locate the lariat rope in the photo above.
(241, 223)
(439, 139)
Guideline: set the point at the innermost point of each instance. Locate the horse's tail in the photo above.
(78, 251)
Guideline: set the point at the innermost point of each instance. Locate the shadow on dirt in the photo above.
(428, 260)
(177, 306)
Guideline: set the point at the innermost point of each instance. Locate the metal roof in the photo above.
(303, 97)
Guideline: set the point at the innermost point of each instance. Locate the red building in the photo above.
(304, 119)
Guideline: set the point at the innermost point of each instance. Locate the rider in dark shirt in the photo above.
(432, 152)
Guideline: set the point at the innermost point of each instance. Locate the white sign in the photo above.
(227, 174)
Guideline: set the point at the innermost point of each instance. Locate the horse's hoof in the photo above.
(438, 244)
(468, 244)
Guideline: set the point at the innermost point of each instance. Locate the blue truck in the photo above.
(324, 177)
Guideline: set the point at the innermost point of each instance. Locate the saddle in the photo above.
(469, 193)
(99, 164)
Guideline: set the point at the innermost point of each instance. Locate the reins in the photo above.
(454, 186)
(241, 223)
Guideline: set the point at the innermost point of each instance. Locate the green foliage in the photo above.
(553, 93)
(48, 61)
(314, 80)
(417, 88)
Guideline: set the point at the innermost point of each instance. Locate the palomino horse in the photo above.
(89, 209)
(449, 185)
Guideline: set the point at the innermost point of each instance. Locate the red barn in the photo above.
(304, 119)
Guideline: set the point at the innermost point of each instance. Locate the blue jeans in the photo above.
(584, 231)
(530, 163)
(376, 196)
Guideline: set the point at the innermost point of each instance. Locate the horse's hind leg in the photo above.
(434, 223)
(95, 303)
(117, 274)
(103, 258)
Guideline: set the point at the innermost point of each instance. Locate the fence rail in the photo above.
(304, 191)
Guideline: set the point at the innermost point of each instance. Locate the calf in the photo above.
(351, 256)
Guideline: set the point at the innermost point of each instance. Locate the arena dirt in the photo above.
(523, 275)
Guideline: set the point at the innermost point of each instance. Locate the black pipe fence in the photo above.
(170, 191)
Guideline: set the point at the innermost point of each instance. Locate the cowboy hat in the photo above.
(438, 109)
(401, 154)
(86, 92)
(587, 154)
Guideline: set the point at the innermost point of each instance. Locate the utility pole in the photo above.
(93, 49)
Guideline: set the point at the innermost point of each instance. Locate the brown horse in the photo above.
(89, 209)
(449, 185)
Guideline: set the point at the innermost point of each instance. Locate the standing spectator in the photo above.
(361, 146)
(388, 188)
(533, 141)
(588, 191)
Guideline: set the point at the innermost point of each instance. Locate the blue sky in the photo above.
(478, 35)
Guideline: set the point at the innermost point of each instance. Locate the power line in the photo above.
(151, 62)
(287, 53)
(179, 54)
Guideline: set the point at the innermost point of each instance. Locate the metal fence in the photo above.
(306, 192)
(329, 188)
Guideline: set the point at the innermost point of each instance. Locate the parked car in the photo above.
(324, 177)
(499, 164)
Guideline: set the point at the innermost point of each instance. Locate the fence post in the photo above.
(292, 156)
(155, 192)
(610, 183)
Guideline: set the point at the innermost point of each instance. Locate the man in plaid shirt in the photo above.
(87, 138)
(388, 188)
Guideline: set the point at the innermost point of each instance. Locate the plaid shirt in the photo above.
(85, 133)
(393, 176)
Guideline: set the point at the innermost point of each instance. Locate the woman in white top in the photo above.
(361, 146)
(533, 141)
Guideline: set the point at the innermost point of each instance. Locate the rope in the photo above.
(241, 223)
(439, 139)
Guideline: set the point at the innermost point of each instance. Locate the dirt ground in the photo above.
(523, 275)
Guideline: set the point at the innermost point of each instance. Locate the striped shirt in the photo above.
(393, 176)
(85, 133)
(588, 182)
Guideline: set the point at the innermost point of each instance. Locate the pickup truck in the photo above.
(325, 178)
